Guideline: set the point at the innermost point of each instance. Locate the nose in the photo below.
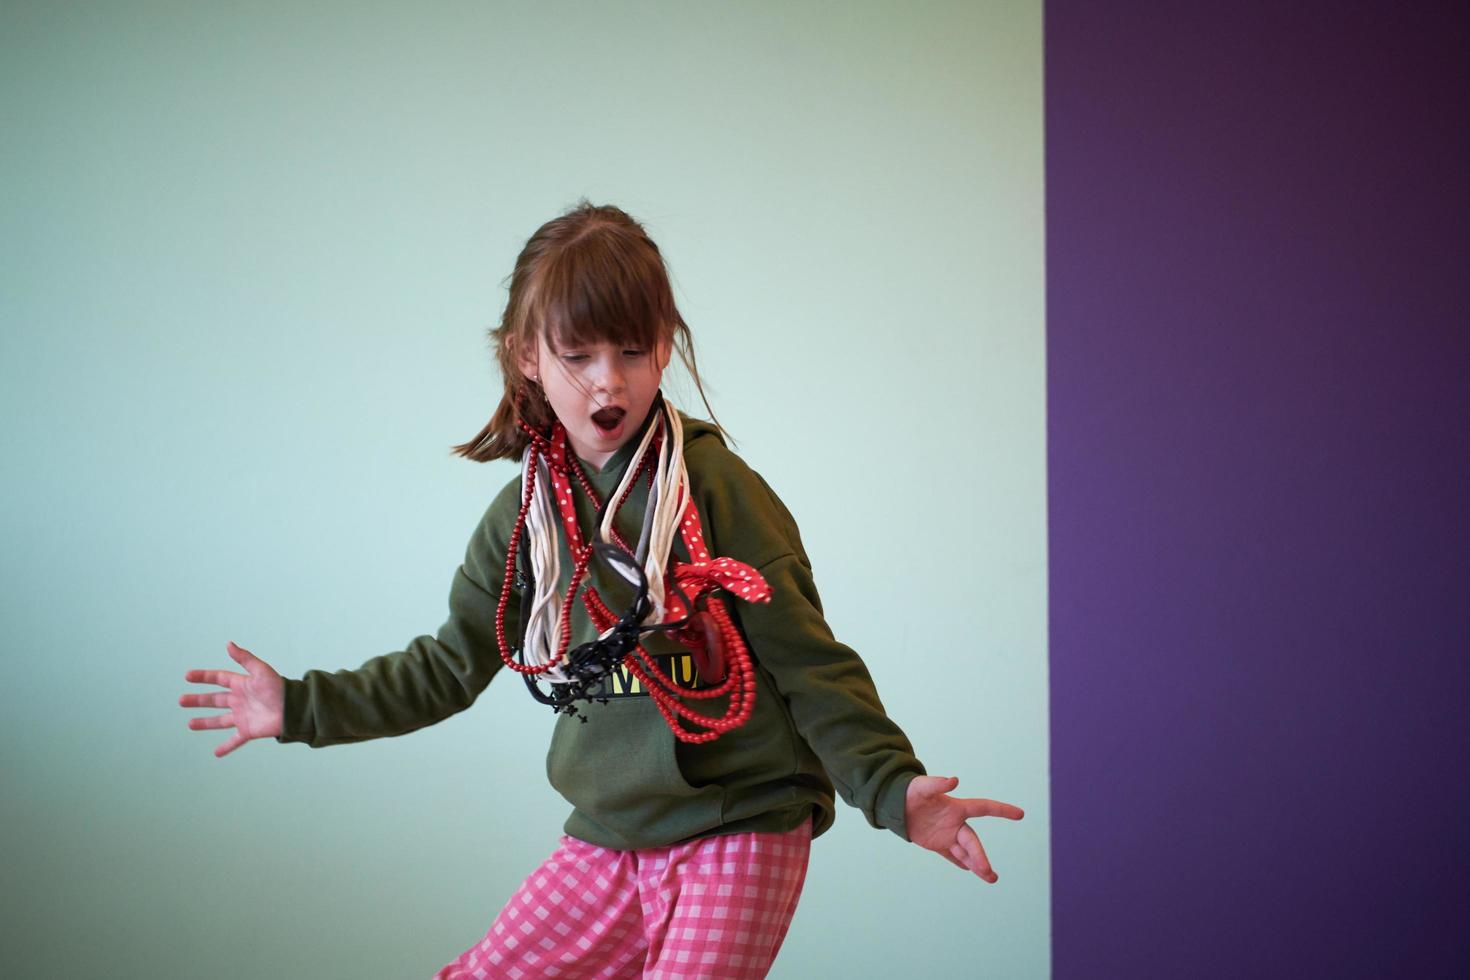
(610, 377)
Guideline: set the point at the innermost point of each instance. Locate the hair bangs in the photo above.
(591, 294)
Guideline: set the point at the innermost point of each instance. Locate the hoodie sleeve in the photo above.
(435, 676)
(832, 699)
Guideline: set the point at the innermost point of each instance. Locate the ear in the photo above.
(663, 352)
(528, 359)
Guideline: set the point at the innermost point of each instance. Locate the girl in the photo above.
(651, 589)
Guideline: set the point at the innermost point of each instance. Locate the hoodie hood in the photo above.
(696, 430)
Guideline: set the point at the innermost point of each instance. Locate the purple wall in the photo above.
(1259, 392)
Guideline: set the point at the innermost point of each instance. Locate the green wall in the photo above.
(250, 254)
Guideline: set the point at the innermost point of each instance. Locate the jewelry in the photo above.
(687, 603)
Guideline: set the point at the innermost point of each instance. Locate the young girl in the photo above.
(650, 588)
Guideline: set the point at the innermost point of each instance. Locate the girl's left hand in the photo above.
(937, 821)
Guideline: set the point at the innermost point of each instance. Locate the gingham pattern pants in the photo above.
(717, 907)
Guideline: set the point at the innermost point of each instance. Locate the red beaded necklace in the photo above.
(695, 612)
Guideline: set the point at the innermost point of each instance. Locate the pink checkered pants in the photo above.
(717, 907)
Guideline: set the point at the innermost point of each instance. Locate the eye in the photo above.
(573, 357)
(634, 352)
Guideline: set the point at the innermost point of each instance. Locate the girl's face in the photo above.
(601, 392)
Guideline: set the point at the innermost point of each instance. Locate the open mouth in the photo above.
(608, 419)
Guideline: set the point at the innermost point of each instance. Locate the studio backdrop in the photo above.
(250, 259)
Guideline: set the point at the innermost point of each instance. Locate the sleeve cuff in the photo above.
(296, 723)
(892, 809)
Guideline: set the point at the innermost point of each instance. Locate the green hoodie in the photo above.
(817, 719)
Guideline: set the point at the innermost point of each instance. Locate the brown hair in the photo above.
(591, 275)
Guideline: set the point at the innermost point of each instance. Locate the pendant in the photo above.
(708, 648)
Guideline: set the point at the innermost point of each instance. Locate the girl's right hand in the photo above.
(256, 700)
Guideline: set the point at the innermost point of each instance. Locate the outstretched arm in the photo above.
(833, 702)
(937, 821)
(255, 700)
(431, 678)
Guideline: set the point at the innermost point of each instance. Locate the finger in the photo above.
(223, 678)
(977, 860)
(226, 720)
(990, 808)
(954, 856)
(219, 700)
(225, 748)
(1006, 810)
(241, 656)
(929, 786)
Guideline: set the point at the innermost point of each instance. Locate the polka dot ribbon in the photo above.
(700, 578)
